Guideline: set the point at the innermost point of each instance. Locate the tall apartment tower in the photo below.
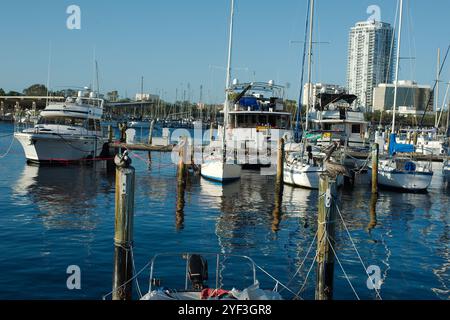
(370, 59)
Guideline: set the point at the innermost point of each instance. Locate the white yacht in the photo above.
(258, 119)
(335, 120)
(66, 131)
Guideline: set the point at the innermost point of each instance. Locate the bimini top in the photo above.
(327, 98)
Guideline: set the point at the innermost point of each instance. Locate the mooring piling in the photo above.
(123, 235)
(375, 155)
(150, 140)
(182, 167)
(326, 238)
(280, 165)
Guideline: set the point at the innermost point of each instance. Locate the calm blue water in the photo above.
(53, 217)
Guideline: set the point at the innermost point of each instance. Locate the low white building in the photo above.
(146, 97)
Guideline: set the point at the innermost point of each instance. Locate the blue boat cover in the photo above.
(395, 147)
(249, 102)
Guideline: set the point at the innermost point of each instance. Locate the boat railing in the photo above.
(218, 258)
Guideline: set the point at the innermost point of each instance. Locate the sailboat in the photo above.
(401, 172)
(219, 167)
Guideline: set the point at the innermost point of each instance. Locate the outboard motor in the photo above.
(198, 271)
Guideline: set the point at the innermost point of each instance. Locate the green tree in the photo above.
(112, 96)
(2, 92)
(35, 90)
(13, 94)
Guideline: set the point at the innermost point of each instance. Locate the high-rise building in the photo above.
(370, 59)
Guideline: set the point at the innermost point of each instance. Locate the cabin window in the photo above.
(64, 121)
(356, 128)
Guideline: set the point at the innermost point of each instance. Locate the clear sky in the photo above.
(176, 43)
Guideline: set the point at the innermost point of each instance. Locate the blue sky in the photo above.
(173, 43)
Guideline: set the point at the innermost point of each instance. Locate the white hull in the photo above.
(222, 172)
(415, 181)
(48, 147)
(305, 176)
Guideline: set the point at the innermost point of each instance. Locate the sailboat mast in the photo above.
(228, 79)
(311, 26)
(397, 65)
(436, 98)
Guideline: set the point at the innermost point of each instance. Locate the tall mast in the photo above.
(227, 84)
(397, 65)
(436, 97)
(311, 26)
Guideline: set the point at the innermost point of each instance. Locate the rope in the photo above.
(134, 271)
(357, 252)
(342, 268)
(277, 281)
(10, 145)
(132, 279)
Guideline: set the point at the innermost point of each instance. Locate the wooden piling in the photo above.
(211, 132)
(182, 168)
(150, 141)
(375, 155)
(150, 133)
(123, 235)
(280, 165)
(326, 238)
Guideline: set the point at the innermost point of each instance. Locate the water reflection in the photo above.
(65, 196)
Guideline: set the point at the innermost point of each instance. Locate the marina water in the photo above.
(55, 217)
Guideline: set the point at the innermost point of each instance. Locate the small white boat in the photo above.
(220, 171)
(304, 169)
(197, 286)
(404, 174)
(66, 131)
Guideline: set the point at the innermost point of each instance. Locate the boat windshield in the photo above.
(248, 120)
(90, 124)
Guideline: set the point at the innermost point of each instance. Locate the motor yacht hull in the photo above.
(54, 148)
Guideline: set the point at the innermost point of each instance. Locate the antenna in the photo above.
(48, 69)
